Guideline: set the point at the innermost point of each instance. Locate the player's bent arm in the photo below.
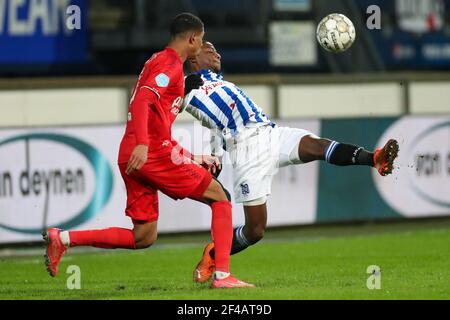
(139, 114)
(137, 159)
(186, 102)
(213, 162)
(194, 111)
(217, 149)
(216, 143)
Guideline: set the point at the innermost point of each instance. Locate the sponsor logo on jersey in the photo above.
(176, 105)
(166, 143)
(212, 86)
(245, 189)
(162, 80)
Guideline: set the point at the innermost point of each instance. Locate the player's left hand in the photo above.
(192, 82)
(210, 163)
(138, 158)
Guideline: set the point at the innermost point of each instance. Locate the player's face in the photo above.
(209, 58)
(195, 44)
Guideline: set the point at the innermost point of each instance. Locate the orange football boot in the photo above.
(205, 268)
(55, 250)
(383, 159)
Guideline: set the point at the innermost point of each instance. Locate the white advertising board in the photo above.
(68, 177)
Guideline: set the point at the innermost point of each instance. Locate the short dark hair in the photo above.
(185, 22)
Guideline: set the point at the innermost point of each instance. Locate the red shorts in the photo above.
(178, 181)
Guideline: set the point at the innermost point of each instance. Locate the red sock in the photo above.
(110, 238)
(222, 234)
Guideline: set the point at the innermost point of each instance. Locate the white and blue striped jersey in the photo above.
(223, 106)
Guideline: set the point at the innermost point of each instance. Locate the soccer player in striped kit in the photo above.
(258, 147)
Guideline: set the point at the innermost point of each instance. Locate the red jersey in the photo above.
(154, 106)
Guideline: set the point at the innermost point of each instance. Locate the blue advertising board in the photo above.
(43, 31)
(413, 35)
(405, 50)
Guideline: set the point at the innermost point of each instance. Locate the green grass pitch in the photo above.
(321, 262)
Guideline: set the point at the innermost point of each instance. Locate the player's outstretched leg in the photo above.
(58, 241)
(342, 154)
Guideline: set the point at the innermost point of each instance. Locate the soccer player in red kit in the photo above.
(150, 160)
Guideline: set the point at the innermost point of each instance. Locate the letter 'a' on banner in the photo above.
(56, 29)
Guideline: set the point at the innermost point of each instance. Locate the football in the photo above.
(336, 33)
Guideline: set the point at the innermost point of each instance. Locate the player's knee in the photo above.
(255, 234)
(216, 192)
(321, 147)
(222, 192)
(227, 194)
(145, 241)
(313, 148)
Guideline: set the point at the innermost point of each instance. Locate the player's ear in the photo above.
(192, 38)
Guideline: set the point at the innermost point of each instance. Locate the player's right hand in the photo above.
(138, 158)
(210, 163)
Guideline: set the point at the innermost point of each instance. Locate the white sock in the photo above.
(221, 274)
(65, 239)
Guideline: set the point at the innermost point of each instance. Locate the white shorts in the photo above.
(256, 155)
